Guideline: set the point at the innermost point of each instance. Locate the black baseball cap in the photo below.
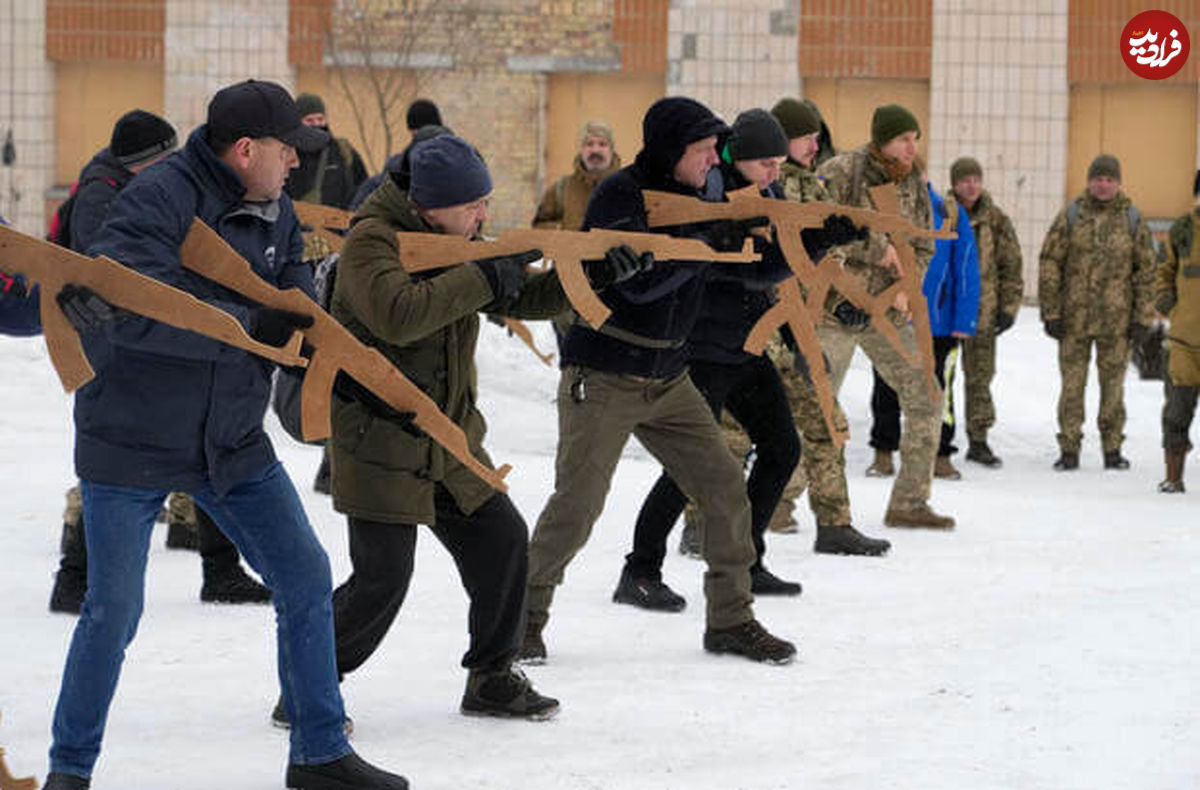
(256, 108)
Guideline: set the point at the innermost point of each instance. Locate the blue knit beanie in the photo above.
(447, 171)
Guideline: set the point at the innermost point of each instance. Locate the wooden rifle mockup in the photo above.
(802, 311)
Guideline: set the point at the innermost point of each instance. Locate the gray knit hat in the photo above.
(964, 166)
(1105, 165)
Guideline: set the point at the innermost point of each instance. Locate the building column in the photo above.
(213, 43)
(733, 55)
(27, 113)
(999, 93)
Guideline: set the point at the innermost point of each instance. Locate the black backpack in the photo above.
(60, 223)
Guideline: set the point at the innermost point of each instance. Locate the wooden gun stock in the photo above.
(567, 248)
(52, 266)
(335, 349)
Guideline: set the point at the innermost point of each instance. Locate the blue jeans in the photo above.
(264, 518)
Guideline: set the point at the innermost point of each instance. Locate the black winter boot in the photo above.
(647, 593)
(763, 582)
(750, 640)
(56, 781)
(323, 483)
(1114, 460)
(70, 583)
(349, 773)
(1067, 462)
(505, 693)
(231, 584)
(980, 453)
(845, 539)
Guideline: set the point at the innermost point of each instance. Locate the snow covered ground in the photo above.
(1051, 641)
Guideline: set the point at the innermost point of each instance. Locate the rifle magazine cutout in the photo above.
(567, 248)
(335, 349)
(51, 266)
(324, 220)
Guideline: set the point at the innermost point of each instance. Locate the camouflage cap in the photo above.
(1104, 165)
(596, 129)
(964, 166)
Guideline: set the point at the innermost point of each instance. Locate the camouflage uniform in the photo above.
(1000, 290)
(1095, 276)
(1177, 295)
(847, 178)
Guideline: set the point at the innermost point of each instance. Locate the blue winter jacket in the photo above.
(951, 284)
(170, 409)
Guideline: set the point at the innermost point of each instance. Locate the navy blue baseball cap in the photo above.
(255, 109)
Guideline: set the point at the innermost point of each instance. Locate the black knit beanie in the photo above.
(140, 136)
(422, 112)
(309, 103)
(964, 166)
(756, 135)
(1105, 165)
(796, 118)
(891, 121)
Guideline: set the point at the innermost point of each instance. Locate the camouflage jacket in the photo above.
(1000, 281)
(847, 178)
(565, 202)
(1177, 284)
(1096, 275)
(801, 184)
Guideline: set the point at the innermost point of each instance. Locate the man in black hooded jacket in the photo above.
(630, 377)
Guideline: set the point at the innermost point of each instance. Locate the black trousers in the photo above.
(885, 406)
(490, 548)
(753, 393)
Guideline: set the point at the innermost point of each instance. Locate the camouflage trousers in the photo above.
(1112, 359)
(1179, 407)
(180, 508)
(922, 418)
(979, 368)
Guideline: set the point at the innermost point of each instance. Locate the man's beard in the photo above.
(595, 162)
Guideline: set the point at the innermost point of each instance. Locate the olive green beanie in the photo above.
(1105, 165)
(891, 121)
(796, 118)
(964, 166)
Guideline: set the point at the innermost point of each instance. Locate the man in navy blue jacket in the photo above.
(18, 305)
(170, 410)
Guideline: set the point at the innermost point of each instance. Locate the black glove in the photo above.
(729, 235)
(1004, 322)
(837, 229)
(849, 315)
(1055, 329)
(275, 327)
(506, 273)
(13, 286)
(618, 265)
(1138, 333)
(85, 309)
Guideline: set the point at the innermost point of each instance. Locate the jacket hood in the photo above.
(391, 204)
(215, 175)
(670, 126)
(105, 165)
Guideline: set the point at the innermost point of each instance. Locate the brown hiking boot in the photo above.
(921, 516)
(1173, 483)
(882, 466)
(751, 641)
(944, 470)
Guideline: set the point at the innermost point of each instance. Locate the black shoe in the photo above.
(980, 453)
(1114, 460)
(232, 585)
(322, 483)
(181, 535)
(58, 781)
(533, 648)
(505, 693)
(279, 718)
(70, 586)
(845, 539)
(349, 773)
(751, 640)
(763, 582)
(1067, 462)
(647, 593)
